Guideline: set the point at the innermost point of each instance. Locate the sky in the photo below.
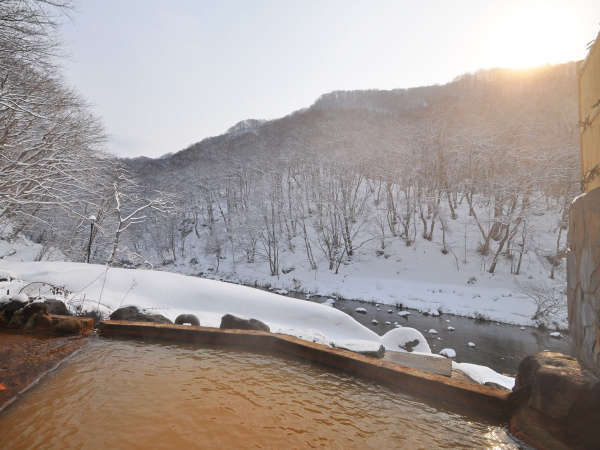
(163, 75)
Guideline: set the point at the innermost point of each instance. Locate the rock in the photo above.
(231, 322)
(17, 320)
(133, 314)
(432, 331)
(583, 279)
(380, 353)
(471, 344)
(10, 308)
(404, 313)
(360, 310)
(183, 319)
(39, 321)
(450, 328)
(556, 388)
(551, 381)
(57, 307)
(67, 326)
(34, 308)
(374, 322)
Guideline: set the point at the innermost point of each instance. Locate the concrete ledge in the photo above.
(457, 395)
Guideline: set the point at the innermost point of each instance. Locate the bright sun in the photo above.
(526, 36)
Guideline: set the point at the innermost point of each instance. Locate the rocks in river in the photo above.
(448, 352)
(360, 310)
(390, 311)
(552, 390)
(133, 314)
(229, 321)
(374, 322)
(450, 328)
(471, 344)
(388, 323)
(57, 307)
(187, 319)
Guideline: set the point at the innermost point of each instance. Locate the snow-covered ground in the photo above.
(172, 294)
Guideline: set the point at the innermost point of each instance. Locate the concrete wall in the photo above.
(583, 276)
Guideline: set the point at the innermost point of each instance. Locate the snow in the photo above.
(471, 344)
(432, 331)
(482, 374)
(358, 345)
(329, 302)
(172, 294)
(556, 334)
(448, 352)
(374, 322)
(450, 328)
(404, 313)
(361, 310)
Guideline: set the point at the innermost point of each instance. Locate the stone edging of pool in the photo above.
(461, 396)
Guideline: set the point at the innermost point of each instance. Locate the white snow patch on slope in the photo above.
(482, 374)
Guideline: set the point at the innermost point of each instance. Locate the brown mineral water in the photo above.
(130, 394)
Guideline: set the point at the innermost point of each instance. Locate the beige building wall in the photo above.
(589, 118)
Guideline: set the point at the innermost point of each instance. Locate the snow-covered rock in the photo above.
(404, 313)
(556, 335)
(432, 331)
(360, 310)
(471, 344)
(374, 322)
(448, 352)
(450, 328)
(405, 339)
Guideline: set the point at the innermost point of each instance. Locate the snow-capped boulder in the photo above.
(360, 310)
(448, 352)
(450, 328)
(471, 344)
(404, 313)
(405, 339)
(432, 331)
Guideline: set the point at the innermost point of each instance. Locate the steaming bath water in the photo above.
(131, 394)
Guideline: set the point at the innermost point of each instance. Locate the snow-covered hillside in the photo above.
(419, 276)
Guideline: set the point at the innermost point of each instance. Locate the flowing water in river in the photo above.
(131, 394)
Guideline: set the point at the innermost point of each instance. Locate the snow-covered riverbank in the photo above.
(172, 294)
